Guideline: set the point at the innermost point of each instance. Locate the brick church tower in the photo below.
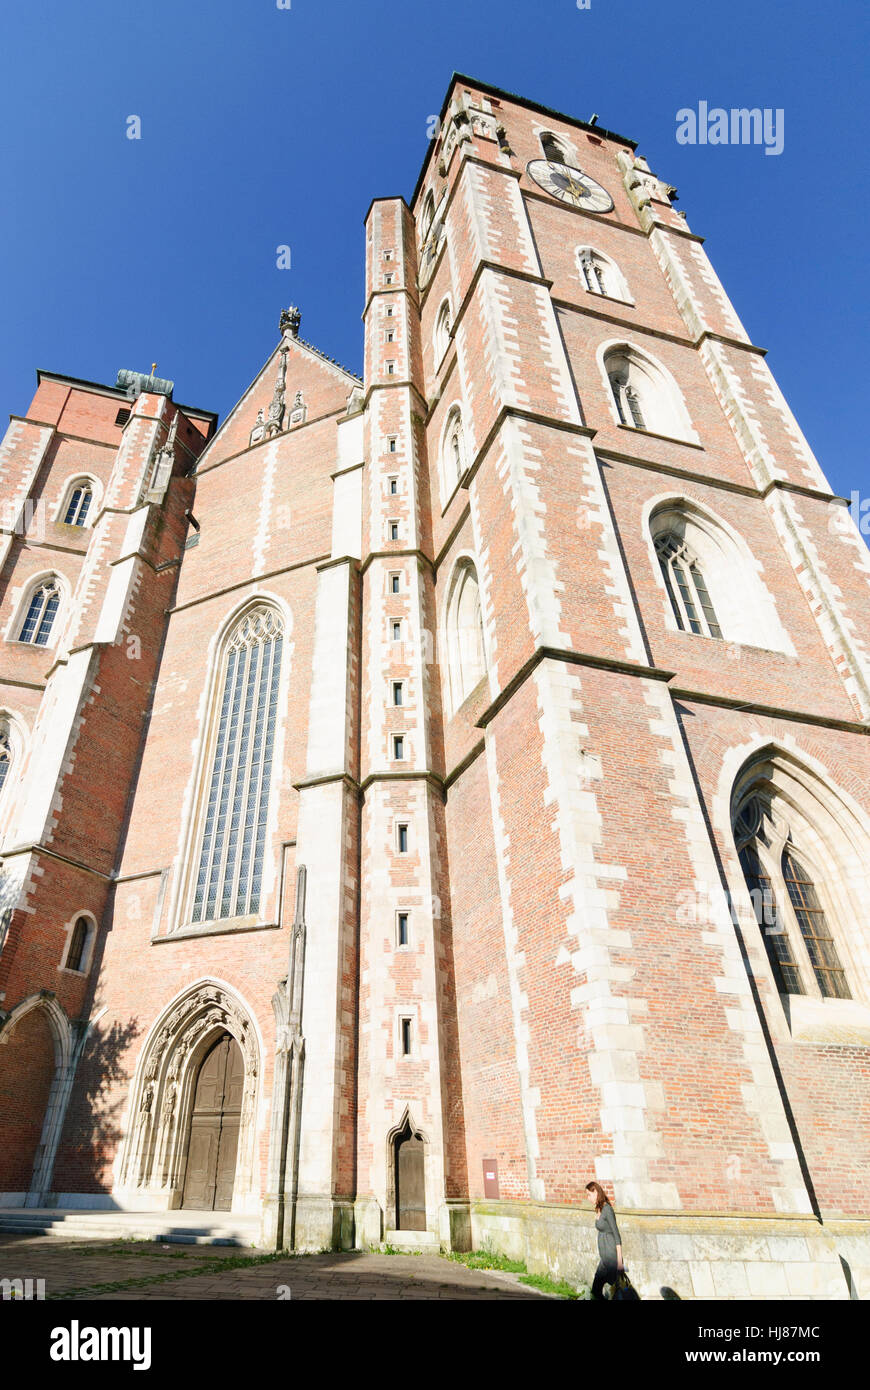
(425, 794)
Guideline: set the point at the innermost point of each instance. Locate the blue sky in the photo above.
(264, 126)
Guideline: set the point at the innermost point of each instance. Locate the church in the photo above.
(422, 795)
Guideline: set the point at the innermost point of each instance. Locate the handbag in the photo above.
(624, 1289)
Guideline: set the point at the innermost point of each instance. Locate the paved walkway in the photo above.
(118, 1270)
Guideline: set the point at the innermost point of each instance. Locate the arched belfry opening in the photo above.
(213, 1140)
(191, 1134)
(408, 1173)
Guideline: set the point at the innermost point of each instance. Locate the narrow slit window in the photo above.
(398, 746)
(398, 693)
(76, 954)
(406, 1037)
(402, 838)
(402, 932)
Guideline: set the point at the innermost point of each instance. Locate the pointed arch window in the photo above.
(442, 331)
(466, 654)
(686, 586)
(5, 756)
(453, 460)
(230, 867)
(644, 393)
(810, 915)
(428, 216)
(593, 273)
(41, 612)
(79, 503)
(601, 275)
(628, 406)
(75, 957)
(788, 905)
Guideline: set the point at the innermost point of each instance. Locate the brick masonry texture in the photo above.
(586, 987)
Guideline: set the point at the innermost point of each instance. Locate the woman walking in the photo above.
(609, 1240)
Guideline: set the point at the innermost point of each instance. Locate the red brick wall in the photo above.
(26, 1073)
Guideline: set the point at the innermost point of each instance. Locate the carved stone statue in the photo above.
(290, 320)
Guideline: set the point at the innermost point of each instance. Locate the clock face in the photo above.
(570, 186)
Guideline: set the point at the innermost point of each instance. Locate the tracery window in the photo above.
(5, 756)
(79, 502)
(645, 395)
(601, 275)
(466, 654)
(788, 904)
(686, 586)
(230, 871)
(442, 331)
(453, 460)
(41, 612)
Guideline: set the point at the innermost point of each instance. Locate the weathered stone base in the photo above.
(694, 1256)
(322, 1223)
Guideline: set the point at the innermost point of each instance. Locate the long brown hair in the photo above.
(601, 1198)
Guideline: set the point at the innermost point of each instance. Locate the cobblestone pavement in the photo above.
(97, 1270)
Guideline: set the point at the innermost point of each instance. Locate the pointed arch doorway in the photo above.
(409, 1177)
(213, 1141)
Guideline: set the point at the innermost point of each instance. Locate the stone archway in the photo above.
(406, 1197)
(38, 1090)
(153, 1166)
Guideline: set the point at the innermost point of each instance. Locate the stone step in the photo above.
(189, 1228)
(415, 1242)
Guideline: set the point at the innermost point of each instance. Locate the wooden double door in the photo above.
(214, 1128)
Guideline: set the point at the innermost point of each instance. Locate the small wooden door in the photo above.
(214, 1128)
(410, 1183)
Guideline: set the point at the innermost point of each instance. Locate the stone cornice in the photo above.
(573, 658)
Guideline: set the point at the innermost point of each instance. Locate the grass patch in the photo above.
(547, 1285)
(486, 1259)
(214, 1266)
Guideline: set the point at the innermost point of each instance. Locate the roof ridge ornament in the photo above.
(290, 321)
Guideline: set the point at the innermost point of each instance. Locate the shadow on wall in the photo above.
(92, 1130)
